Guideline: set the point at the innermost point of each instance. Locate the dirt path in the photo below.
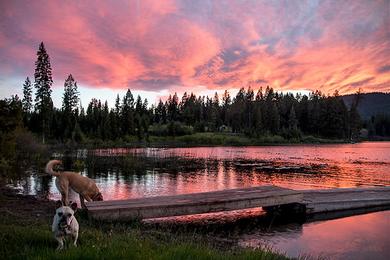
(25, 207)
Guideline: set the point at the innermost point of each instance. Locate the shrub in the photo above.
(171, 129)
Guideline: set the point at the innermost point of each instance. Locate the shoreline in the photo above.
(25, 233)
(208, 139)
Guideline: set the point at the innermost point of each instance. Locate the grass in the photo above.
(207, 139)
(221, 139)
(24, 234)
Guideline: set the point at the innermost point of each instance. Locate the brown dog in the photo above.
(84, 186)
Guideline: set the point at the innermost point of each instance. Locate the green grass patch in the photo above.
(34, 240)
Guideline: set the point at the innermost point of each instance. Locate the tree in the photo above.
(11, 122)
(117, 105)
(43, 83)
(160, 113)
(70, 102)
(226, 102)
(173, 107)
(128, 113)
(292, 120)
(273, 118)
(70, 99)
(27, 96)
(354, 122)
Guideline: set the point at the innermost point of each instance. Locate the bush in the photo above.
(171, 129)
(290, 134)
(158, 130)
(28, 146)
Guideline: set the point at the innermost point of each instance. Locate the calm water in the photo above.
(131, 173)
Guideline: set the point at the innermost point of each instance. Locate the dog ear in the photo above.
(59, 204)
(73, 206)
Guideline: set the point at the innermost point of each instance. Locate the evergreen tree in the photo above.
(354, 122)
(160, 113)
(273, 118)
(70, 99)
(226, 102)
(117, 105)
(173, 107)
(27, 96)
(292, 120)
(70, 102)
(127, 114)
(43, 83)
(114, 118)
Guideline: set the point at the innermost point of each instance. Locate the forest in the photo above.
(252, 112)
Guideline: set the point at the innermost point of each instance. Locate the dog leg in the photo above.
(82, 201)
(64, 198)
(87, 198)
(60, 243)
(75, 236)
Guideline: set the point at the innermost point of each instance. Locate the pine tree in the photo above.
(226, 102)
(43, 83)
(70, 99)
(127, 114)
(160, 113)
(354, 122)
(70, 102)
(139, 105)
(173, 107)
(117, 105)
(292, 120)
(27, 96)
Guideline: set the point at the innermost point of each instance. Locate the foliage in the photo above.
(11, 122)
(27, 96)
(255, 114)
(16, 143)
(268, 113)
(378, 125)
(43, 83)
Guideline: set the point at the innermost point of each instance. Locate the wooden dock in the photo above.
(270, 198)
(329, 200)
(194, 203)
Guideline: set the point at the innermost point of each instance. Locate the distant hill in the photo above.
(371, 103)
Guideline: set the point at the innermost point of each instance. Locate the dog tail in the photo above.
(49, 167)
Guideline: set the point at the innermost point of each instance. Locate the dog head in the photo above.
(65, 214)
(97, 197)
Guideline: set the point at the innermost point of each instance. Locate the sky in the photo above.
(161, 47)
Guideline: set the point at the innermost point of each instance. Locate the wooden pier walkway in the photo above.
(194, 203)
(328, 200)
(268, 197)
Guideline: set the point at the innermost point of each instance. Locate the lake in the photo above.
(144, 172)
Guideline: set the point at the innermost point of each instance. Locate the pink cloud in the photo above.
(176, 45)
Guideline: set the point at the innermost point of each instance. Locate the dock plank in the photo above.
(195, 203)
(328, 200)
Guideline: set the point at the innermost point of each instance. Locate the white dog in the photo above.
(65, 224)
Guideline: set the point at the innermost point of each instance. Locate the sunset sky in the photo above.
(160, 47)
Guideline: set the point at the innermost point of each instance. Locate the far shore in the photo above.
(207, 139)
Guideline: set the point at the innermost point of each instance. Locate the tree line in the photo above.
(251, 112)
